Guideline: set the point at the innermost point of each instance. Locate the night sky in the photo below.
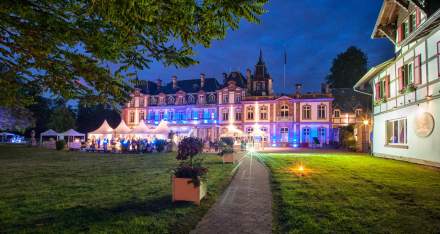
(313, 32)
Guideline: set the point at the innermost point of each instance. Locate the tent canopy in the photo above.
(122, 128)
(103, 129)
(141, 129)
(49, 132)
(72, 133)
(162, 128)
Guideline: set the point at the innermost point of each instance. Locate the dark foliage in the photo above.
(90, 118)
(347, 68)
(189, 167)
(60, 144)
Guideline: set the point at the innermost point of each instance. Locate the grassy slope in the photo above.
(354, 193)
(50, 191)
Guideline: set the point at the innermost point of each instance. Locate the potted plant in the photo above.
(188, 178)
(226, 149)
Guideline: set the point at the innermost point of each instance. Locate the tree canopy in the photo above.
(65, 47)
(61, 119)
(347, 68)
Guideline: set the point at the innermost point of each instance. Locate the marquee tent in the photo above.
(48, 133)
(142, 130)
(122, 129)
(104, 131)
(162, 130)
(72, 134)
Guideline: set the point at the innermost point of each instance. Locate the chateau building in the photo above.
(241, 106)
(406, 88)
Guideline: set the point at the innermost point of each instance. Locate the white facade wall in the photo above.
(426, 98)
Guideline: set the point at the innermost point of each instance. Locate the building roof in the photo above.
(188, 86)
(371, 73)
(237, 77)
(347, 100)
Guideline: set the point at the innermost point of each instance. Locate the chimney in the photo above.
(159, 83)
(298, 88)
(202, 80)
(174, 79)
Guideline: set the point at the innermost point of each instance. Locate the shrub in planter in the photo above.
(189, 175)
(229, 141)
(59, 145)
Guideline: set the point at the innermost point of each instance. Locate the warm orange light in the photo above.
(301, 168)
(365, 122)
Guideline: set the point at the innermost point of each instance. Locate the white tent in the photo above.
(104, 131)
(142, 130)
(48, 133)
(162, 130)
(122, 129)
(72, 134)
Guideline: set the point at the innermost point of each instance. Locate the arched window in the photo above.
(249, 130)
(307, 112)
(250, 113)
(225, 115)
(153, 100)
(141, 102)
(322, 111)
(225, 98)
(161, 100)
(284, 111)
(263, 113)
(132, 102)
(211, 98)
(191, 99)
(170, 100)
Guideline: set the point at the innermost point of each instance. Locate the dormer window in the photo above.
(201, 99)
(358, 112)
(337, 113)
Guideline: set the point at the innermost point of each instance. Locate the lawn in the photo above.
(52, 192)
(348, 193)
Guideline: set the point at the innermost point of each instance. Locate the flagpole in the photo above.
(284, 70)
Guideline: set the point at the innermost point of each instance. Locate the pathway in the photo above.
(245, 206)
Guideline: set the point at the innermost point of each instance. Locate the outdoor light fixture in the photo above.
(365, 122)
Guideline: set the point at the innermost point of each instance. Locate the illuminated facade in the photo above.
(406, 88)
(242, 106)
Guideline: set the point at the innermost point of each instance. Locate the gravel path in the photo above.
(245, 206)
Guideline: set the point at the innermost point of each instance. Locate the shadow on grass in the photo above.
(81, 218)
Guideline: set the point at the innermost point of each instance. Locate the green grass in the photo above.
(51, 192)
(353, 193)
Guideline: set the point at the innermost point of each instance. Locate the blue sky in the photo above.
(313, 32)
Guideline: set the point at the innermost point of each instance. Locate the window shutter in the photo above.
(400, 33)
(417, 70)
(400, 74)
(387, 86)
(377, 90)
(417, 17)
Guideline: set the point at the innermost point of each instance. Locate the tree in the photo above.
(61, 119)
(91, 117)
(347, 68)
(41, 110)
(15, 119)
(66, 46)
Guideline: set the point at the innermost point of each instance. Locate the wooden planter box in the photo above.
(228, 158)
(184, 190)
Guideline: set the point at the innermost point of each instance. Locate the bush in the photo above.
(226, 145)
(190, 167)
(160, 145)
(60, 144)
(228, 141)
